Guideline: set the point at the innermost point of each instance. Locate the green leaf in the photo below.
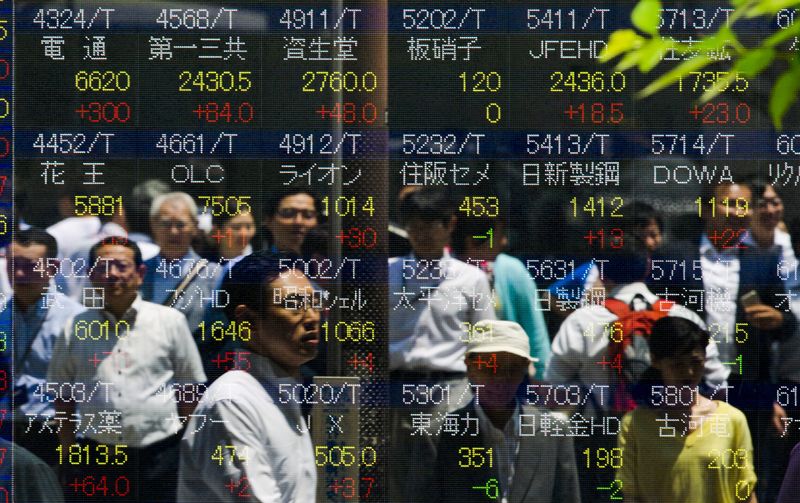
(784, 94)
(717, 41)
(619, 42)
(650, 54)
(647, 15)
(781, 36)
(720, 84)
(674, 75)
(628, 61)
(754, 62)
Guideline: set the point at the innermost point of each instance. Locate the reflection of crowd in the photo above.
(114, 322)
(671, 354)
(716, 311)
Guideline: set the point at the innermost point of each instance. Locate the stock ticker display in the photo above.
(399, 251)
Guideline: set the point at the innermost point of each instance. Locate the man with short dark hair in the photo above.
(289, 215)
(143, 358)
(434, 302)
(39, 313)
(585, 347)
(269, 450)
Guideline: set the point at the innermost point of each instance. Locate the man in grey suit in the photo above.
(509, 456)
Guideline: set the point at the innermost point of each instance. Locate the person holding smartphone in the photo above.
(721, 270)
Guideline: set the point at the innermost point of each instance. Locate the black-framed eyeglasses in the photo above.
(293, 212)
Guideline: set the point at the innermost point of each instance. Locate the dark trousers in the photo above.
(148, 474)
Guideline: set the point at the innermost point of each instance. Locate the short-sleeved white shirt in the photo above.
(130, 376)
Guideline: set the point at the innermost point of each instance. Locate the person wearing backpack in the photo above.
(603, 350)
(678, 445)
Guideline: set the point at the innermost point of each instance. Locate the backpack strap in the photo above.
(617, 307)
(632, 322)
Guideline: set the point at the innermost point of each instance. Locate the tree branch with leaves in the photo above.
(644, 48)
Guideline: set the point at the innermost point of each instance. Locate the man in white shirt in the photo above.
(509, 458)
(133, 371)
(265, 450)
(434, 301)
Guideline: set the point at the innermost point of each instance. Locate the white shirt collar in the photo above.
(130, 314)
(265, 370)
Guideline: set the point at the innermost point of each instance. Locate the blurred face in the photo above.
(479, 249)
(242, 228)
(116, 272)
(729, 219)
(174, 227)
(295, 216)
(429, 237)
(288, 332)
(769, 210)
(21, 268)
(500, 381)
(650, 236)
(683, 370)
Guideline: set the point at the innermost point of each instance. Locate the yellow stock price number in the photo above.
(219, 330)
(222, 205)
(475, 457)
(344, 455)
(706, 81)
(480, 206)
(99, 454)
(319, 81)
(107, 81)
(344, 206)
(212, 81)
(587, 82)
(741, 206)
(728, 459)
(83, 330)
(97, 206)
(354, 331)
(598, 205)
(481, 82)
(604, 458)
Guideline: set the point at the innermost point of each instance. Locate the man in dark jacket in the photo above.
(508, 455)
